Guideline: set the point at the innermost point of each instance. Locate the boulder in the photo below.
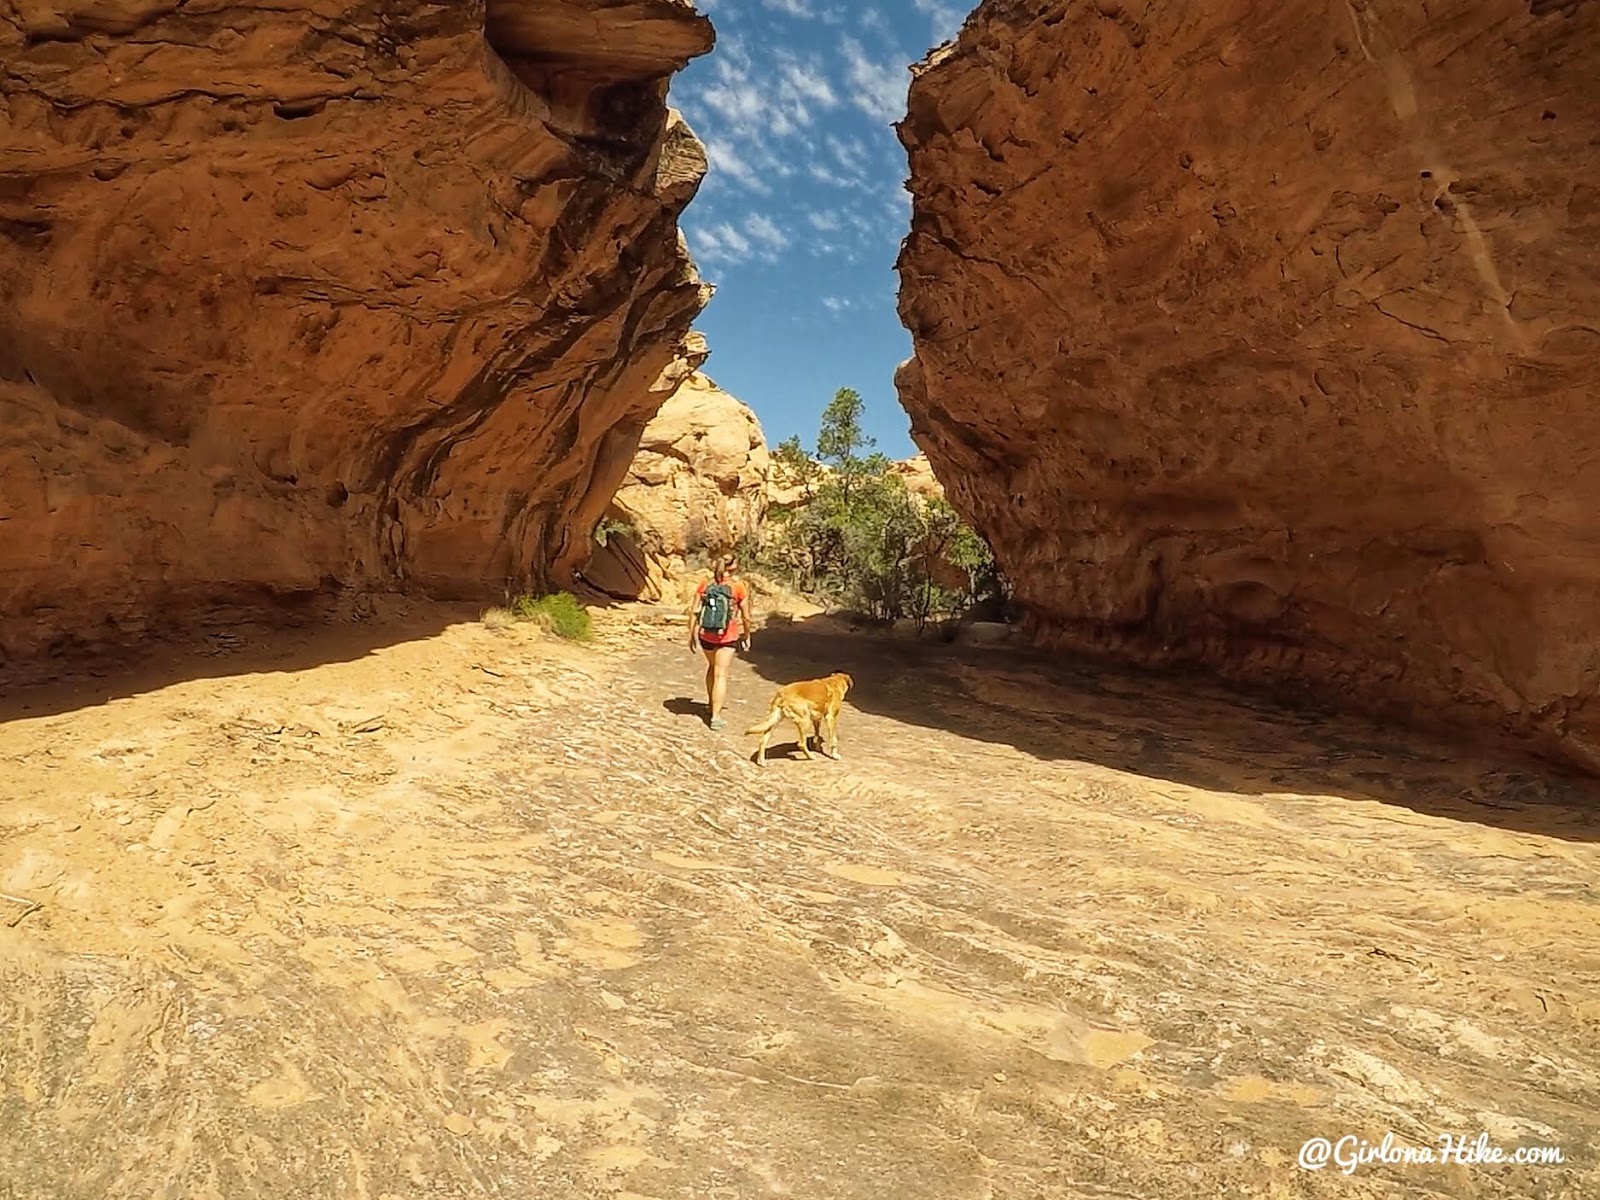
(917, 472)
(697, 487)
(698, 482)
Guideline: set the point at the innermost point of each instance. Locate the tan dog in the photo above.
(813, 705)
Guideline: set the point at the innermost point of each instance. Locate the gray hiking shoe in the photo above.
(717, 722)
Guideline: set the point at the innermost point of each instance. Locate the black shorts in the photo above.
(705, 645)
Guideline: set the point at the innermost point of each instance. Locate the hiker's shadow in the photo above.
(682, 706)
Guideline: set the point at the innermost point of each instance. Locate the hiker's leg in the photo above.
(721, 661)
(711, 682)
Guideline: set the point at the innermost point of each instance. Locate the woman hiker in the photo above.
(721, 621)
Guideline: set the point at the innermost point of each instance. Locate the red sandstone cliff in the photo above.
(1266, 337)
(302, 296)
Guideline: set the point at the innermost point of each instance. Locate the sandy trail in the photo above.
(474, 914)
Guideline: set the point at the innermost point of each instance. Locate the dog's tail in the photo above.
(771, 722)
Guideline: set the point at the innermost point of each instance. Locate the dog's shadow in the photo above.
(790, 751)
(683, 706)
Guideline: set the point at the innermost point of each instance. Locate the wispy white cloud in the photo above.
(732, 240)
(848, 152)
(897, 214)
(796, 118)
(805, 81)
(725, 157)
(944, 17)
(719, 243)
(825, 174)
(748, 117)
(879, 88)
(762, 229)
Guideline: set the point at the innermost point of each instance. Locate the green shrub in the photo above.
(748, 551)
(610, 525)
(559, 613)
(863, 539)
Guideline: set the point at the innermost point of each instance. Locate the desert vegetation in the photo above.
(559, 613)
(861, 539)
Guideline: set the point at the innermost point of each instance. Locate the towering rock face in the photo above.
(1266, 337)
(303, 295)
(697, 483)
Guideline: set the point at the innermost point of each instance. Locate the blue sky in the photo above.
(800, 218)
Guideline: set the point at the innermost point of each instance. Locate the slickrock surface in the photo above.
(1266, 337)
(308, 296)
(697, 484)
(441, 914)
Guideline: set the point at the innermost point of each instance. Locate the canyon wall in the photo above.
(306, 297)
(1264, 337)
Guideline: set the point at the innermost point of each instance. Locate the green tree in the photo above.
(959, 545)
(804, 469)
(841, 438)
(862, 538)
(792, 454)
(949, 542)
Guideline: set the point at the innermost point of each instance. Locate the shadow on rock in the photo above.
(1186, 730)
(217, 648)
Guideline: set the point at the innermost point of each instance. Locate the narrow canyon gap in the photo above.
(1265, 337)
(307, 297)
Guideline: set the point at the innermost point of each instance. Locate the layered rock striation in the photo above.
(303, 297)
(1266, 338)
